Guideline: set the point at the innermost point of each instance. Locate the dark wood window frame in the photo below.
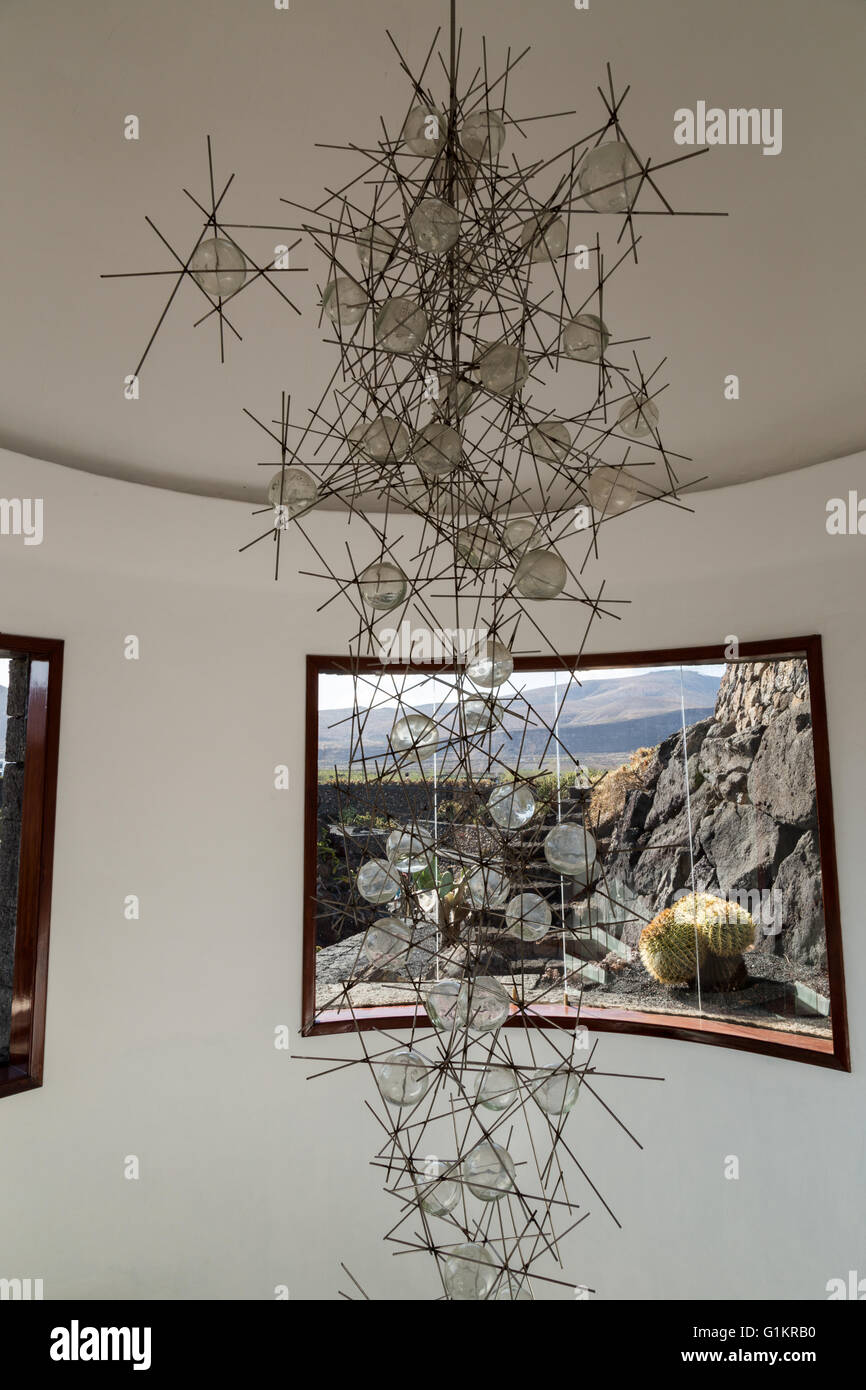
(30, 981)
(831, 1052)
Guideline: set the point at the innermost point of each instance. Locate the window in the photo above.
(707, 908)
(30, 680)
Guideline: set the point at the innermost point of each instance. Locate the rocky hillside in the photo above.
(736, 809)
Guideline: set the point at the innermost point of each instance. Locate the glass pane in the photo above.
(14, 686)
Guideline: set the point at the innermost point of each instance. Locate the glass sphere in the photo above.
(386, 940)
(469, 1272)
(425, 132)
(438, 1196)
(486, 888)
(441, 1002)
(410, 848)
(490, 665)
(378, 881)
(511, 805)
(414, 731)
(483, 1004)
(550, 441)
(375, 246)
(435, 226)
(478, 545)
(437, 449)
(404, 1078)
(482, 135)
(344, 301)
(497, 1088)
(489, 1172)
(541, 574)
(218, 266)
(477, 715)
(570, 849)
(455, 397)
(555, 1089)
(401, 326)
(385, 440)
(585, 338)
(503, 369)
(528, 917)
(522, 533)
(294, 490)
(639, 417)
(383, 585)
(546, 234)
(610, 490)
(609, 177)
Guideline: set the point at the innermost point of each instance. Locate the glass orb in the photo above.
(441, 1002)
(482, 135)
(639, 417)
(455, 397)
(378, 881)
(486, 888)
(609, 177)
(585, 338)
(401, 326)
(570, 849)
(386, 940)
(469, 1272)
(435, 226)
(483, 1004)
(383, 585)
(218, 266)
(425, 132)
(497, 1088)
(490, 665)
(385, 440)
(437, 449)
(478, 545)
(546, 234)
(610, 490)
(477, 715)
(511, 805)
(410, 848)
(541, 574)
(374, 246)
(438, 1196)
(555, 1089)
(414, 731)
(344, 301)
(489, 1172)
(503, 369)
(550, 441)
(404, 1078)
(294, 490)
(528, 917)
(522, 533)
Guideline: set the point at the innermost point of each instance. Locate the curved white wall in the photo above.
(160, 1032)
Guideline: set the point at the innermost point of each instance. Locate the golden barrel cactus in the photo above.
(726, 927)
(671, 949)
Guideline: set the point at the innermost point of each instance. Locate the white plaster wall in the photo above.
(160, 1032)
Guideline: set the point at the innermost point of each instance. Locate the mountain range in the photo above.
(600, 722)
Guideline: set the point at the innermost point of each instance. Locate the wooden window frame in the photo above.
(830, 1052)
(36, 860)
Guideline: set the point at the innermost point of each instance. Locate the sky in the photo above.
(4, 670)
(335, 692)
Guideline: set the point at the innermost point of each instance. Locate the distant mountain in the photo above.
(599, 718)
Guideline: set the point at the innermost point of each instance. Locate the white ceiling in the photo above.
(773, 293)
